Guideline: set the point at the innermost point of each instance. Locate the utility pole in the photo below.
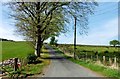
(75, 37)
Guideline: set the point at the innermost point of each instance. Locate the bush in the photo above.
(31, 58)
(96, 53)
(84, 51)
(106, 52)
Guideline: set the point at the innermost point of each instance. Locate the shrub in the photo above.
(84, 51)
(96, 53)
(31, 58)
(106, 52)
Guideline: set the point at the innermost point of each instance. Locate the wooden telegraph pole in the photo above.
(75, 37)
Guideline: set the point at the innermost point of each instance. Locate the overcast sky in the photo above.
(103, 26)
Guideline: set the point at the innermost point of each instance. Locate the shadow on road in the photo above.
(54, 58)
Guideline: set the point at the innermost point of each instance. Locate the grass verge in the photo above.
(35, 69)
(107, 72)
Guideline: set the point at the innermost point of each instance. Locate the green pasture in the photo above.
(97, 48)
(15, 49)
(88, 48)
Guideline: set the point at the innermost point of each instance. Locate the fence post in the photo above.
(86, 57)
(15, 64)
(91, 57)
(103, 59)
(110, 61)
(118, 65)
(97, 58)
(115, 61)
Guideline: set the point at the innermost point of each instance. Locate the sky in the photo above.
(103, 26)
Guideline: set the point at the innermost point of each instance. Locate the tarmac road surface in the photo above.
(61, 67)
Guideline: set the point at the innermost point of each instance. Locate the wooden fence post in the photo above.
(104, 60)
(86, 56)
(118, 65)
(110, 61)
(97, 58)
(15, 64)
(115, 61)
(91, 57)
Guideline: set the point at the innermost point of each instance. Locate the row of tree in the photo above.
(53, 41)
(38, 21)
(2, 39)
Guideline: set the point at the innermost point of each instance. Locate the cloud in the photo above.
(101, 34)
(6, 26)
(7, 32)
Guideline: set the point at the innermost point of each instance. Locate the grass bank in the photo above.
(107, 72)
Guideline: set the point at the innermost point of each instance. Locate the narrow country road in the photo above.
(61, 67)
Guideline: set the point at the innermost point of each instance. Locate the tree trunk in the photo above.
(35, 49)
(39, 46)
(38, 31)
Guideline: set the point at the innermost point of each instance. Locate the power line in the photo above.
(109, 11)
(106, 7)
(98, 20)
(106, 12)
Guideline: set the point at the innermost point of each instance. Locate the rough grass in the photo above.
(15, 49)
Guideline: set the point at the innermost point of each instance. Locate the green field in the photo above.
(97, 48)
(15, 49)
(83, 49)
(91, 48)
